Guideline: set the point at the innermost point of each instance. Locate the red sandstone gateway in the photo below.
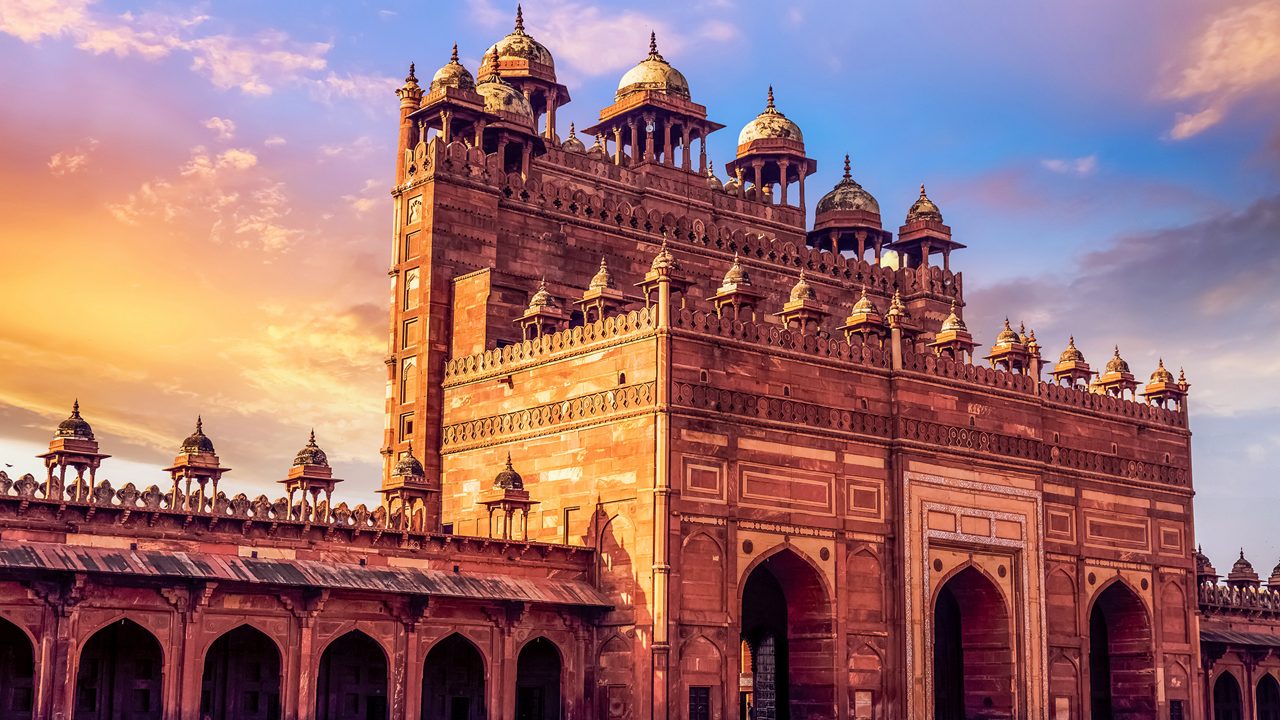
(656, 448)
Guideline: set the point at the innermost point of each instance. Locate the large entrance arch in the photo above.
(1227, 703)
(453, 681)
(241, 677)
(787, 641)
(17, 673)
(352, 684)
(1268, 698)
(972, 649)
(120, 675)
(538, 681)
(1121, 664)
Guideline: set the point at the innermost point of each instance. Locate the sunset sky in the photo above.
(195, 213)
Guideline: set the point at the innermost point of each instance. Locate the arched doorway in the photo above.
(1268, 698)
(17, 673)
(538, 681)
(352, 684)
(786, 633)
(241, 677)
(972, 649)
(120, 675)
(1121, 664)
(453, 681)
(1227, 703)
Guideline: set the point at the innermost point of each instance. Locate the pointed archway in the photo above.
(1267, 698)
(1227, 703)
(120, 675)
(453, 681)
(787, 641)
(538, 671)
(972, 649)
(1121, 662)
(17, 673)
(352, 683)
(241, 677)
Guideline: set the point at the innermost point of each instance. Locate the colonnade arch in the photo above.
(1267, 698)
(17, 673)
(538, 671)
(120, 675)
(352, 680)
(453, 681)
(241, 679)
(1227, 702)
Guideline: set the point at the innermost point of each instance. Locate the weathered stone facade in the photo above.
(743, 467)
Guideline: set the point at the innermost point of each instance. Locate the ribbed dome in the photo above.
(1008, 335)
(541, 298)
(1242, 568)
(1161, 375)
(653, 73)
(508, 479)
(1072, 353)
(197, 442)
(770, 125)
(500, 97)
(1117, 364)
(736, 275)
(311, 454)
(847, 195)
(74, 426)
(597, 151)
(453, 75)
(953, 321)
(664, 260)
(713, 182)
(602, 280)
(519, 45)
(802, 291)
(572, 143)
(924, 209)
(408, 466)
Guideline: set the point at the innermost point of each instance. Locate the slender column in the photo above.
(551, 115)
(782, 170)
(702, 154)
(446, 131)
(684, 148)
(661, 506)
(635, 141)
(649, 149)
(667, 158)
(617, 145)
(757, 167)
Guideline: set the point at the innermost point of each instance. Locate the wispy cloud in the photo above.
(223, 128)
(75, 160)
(1081, 166)
(1237, 54)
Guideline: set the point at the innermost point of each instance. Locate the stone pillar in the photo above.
(661, 507)
(552, 98)
(667, 154)
(649, 152)
(702, 154)
(782, 173)
(617, 146)
(684, 148)
(635, 141)
(757, 167)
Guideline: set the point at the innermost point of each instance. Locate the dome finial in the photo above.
(453, 57)
(922, 190)
(75, 408)
(519, 20)
(846, 167)
(653, 42)
(411, 75)
(199, 424)
(509, 460)
(312, 440)
(769, 102)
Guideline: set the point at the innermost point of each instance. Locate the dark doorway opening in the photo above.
(1227, 703)
(352, 684)
(17, 673)
(973, 650)
(538, 681)
(241, 677)
(120, 675)
(1268, 698)
(1121, 664)
(453, 681)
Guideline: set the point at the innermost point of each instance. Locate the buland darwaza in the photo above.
(656, 447)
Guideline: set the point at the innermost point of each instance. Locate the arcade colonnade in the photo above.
(123, 672)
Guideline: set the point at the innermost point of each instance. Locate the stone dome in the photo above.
(408, 466)
(508, 478)
(572, 143)
(597, 151)
(453, 75)
(664, 260)
(500, 97)
(542, 298)
(735, 276)
(847, 195)
(1162, 375)
(311, 454)
(75, 426)
(770, 125)
(802, 290)
(1117, 364)
(953, 321)
(519, 45)
(197, 442)
(602, 280)
(924, 209)
(653, 73)
(1072, 353)
(713, 182)
(1008, 335)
